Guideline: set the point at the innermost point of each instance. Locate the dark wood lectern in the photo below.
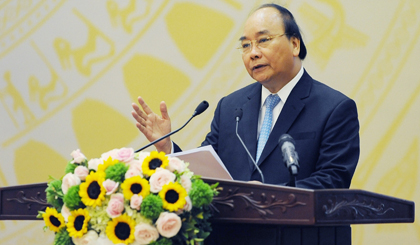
(247, 213)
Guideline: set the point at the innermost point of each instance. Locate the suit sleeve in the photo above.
(175, 148)
(212, 138)
(339, 150)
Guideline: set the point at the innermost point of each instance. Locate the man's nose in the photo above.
(255, 51)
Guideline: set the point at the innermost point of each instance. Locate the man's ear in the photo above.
(295, 42)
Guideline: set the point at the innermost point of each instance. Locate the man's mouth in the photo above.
(257, 67)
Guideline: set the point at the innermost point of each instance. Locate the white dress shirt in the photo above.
(283, 94)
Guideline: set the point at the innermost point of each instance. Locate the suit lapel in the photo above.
(249, 124)
(288, 115)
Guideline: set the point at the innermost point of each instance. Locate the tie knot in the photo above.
(272, 101)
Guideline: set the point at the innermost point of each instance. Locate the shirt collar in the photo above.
(285, 91)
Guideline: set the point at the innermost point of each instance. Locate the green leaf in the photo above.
(39, 215)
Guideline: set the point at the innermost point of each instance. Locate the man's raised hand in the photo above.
(152, 125)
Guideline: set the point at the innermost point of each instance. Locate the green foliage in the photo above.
(40, 214)
(201, 216)
(201, 194)
(55, 194)
(116, 172)
(151, 207)
(62, 238)
(72, 198)
(195, 226)
(70, 168)
(162, 241)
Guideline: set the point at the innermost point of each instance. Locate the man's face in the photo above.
(277, 63)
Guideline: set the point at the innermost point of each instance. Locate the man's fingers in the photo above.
(136, 116)
(138, 111)
(141, 128)
(164, 110)
(145, 107)
(138, 125)
(135, 106)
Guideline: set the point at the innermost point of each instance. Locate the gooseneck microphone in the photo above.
(200, 109)
(238, 116)
(290, 156)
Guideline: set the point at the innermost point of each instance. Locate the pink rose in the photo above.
(69, 180)
(89, 238)
(131, 172)
(110, 186)
(115, 205)
(186, 182)
(141, 156)
(160, 178)
(65, 211)
(145, 233)
(187, 206)
(78, 156)
(125, 155)
(94, 163)
(81, 172)
(112, 153)
(176, 164)
(104, 240)
(136, 164)
(136, 201)
(168, 224)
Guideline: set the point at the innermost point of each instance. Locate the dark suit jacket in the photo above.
(322, 121)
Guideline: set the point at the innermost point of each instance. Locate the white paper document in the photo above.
(204, 161)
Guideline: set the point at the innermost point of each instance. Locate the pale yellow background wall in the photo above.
(69, 71)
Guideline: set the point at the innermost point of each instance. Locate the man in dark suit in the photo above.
(322, 121)
(285, 99)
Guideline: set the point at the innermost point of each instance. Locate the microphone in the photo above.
(290, 157)
(238, 116)
(200, 109)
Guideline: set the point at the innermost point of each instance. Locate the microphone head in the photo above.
(287, 145)
(238, 114)
(285, 138)
(200, 108)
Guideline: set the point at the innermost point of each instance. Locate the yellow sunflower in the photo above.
(173, 196)
(92, 191)
(108, 162)
(121, 229)
(53, 219)
(135, 186)
(77, 224)
(153, 161)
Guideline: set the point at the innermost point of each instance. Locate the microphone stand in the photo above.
(238, 113)
(292, 182)
(167, 135)
(200, 108)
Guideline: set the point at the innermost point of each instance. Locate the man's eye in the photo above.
(245, 45)
(263, 40)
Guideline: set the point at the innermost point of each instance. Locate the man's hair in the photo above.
(291, 28)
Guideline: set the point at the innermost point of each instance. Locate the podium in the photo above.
(260, 213)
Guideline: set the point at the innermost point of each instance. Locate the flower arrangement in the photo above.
(128, 198)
